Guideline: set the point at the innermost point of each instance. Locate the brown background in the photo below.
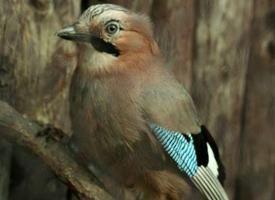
(223, 51)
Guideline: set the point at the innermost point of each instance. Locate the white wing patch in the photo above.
(212, 163)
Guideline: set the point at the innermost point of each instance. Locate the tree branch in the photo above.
(22, 131)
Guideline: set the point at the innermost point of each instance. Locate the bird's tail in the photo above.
(208, 184)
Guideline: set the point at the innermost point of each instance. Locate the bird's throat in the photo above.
(102, 46)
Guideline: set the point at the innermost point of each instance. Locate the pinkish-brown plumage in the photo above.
(119, 86)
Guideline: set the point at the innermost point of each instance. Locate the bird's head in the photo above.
(113, 30)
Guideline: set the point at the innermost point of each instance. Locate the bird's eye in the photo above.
(112, 28)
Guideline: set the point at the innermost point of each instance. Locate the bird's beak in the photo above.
(70, 33)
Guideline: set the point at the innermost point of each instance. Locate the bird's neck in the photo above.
(92, 61)
(99, 63)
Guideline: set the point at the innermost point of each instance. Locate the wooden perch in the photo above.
(22, 131)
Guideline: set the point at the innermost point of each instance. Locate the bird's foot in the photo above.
(52, 134)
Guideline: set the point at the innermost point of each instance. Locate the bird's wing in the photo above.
(171, 116)
(197, 156)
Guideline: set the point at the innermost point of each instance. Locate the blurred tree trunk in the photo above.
(5, 161)
(222, 51)
(34, 74)
(257, 164)
(222, 46)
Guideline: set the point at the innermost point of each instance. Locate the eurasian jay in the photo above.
(130, 117)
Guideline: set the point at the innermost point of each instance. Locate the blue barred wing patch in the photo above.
(179, 148)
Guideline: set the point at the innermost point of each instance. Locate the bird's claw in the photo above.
(52, 133)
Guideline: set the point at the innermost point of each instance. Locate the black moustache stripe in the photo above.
(102, 46)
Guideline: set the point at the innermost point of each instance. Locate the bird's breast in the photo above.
(100, 121)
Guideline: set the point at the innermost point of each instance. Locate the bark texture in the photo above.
(257, 162)
(22, 131)
(35, 71)
(222, 44)
(5, 161)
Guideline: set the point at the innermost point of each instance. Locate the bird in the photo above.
(131, 119)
